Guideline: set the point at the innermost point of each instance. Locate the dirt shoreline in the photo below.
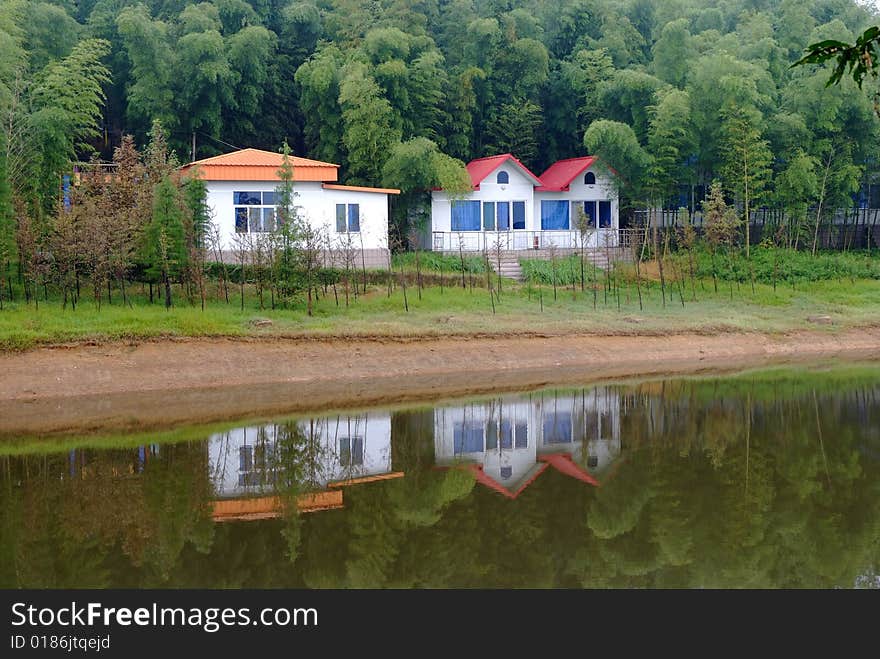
(159, 385)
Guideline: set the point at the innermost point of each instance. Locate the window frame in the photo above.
(346, 217)
(244, 220)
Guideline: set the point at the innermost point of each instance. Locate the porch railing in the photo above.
(488, 241)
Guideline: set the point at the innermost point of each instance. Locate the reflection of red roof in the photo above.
(492, 484)
(480, 168)
(561, 462)
(561, 173)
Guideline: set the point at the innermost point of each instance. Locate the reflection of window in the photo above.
(521, 435)
(465, 216)
(605, 429)
(351, 451)
(506, 435)
(590, 178)
(348, 218)
(506, 472)
(491, 435)
(467, 437)
(254, 211)
(557, 427)
(593, 461)
(246, 458)
(502, 178)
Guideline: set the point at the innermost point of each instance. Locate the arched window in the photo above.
(590, 178)
(502, 178)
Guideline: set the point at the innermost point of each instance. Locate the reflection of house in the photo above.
(509, 442)
(250, 466)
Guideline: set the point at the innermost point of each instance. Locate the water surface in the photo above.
(766, 479)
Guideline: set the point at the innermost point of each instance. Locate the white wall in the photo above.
(317, 204)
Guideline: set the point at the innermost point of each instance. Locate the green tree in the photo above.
(368, 121)
(745, 167)
(616, 144)
(165, 240)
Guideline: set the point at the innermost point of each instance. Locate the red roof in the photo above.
(480, 168)
(561, 173)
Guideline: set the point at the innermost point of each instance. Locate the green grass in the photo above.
(455, 311)
(437, 262)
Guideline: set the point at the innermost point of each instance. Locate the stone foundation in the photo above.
(369, 258)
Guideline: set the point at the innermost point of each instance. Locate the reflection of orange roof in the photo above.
(239, 510)
(258, 165)
(359, 188)
(366, 479)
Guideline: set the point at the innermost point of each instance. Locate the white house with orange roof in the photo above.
(242, 195)
(572, 204)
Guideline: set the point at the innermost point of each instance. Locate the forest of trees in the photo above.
(675, 94)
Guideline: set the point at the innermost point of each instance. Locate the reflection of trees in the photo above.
(80, 516)
(718, 485)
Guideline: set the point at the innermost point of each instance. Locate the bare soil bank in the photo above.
(159, 385)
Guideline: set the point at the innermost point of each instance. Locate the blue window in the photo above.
(589, 209)
(348, 218)
(246, 198)
(503, 178)
(554, 215)
(503, 216)
(354, 218)
(521, 435)
(557, 427)
(489, 215)
(268, 199)
(465, 216)
(590, 178)
(467, 437)
(604, 214)
(506, 472)
(241, 220)
(519, 215)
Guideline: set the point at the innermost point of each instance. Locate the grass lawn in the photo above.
(456, 311)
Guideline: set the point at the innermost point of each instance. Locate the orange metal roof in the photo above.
(259, 165)
(359, 188)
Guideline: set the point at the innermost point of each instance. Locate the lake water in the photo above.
(765, 479)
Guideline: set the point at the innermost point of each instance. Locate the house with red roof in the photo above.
(508, 443)
(571, 205)
(243, 198)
